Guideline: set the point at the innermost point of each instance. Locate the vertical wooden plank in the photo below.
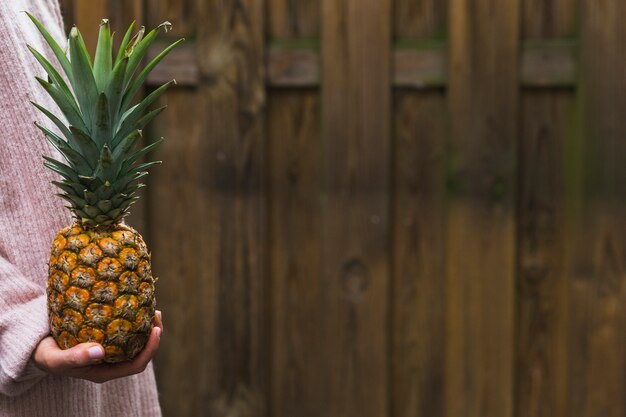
(293, 19)
(542, 345)
(549, 19)
(295, 186)
(483, 100)
(181, 13)
(419, 215)
(418, 255)
(294, 158)
(177, 200)
(420, 19)
(87, 16)
(122, 13)
(232, 99)
(355, 257)
(597, 249)
(542, 301)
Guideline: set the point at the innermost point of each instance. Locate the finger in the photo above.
(56, 360)
(158, 319)
(106, 372)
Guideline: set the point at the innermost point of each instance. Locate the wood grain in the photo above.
(87, 16)
(420, 19)
(483, 100)
(544, 64)
(543, 283)
(418, 299)
(542, 287)
(178, 240)
(596, 230)
(232, 100)
(293, 19)
(121, 13)
(543, 19)
(355, 258)
(180, 13)
(295, 202)
(418, 326)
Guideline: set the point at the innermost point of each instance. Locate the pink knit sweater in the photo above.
(30, 215)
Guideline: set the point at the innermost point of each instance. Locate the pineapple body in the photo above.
(101, 289)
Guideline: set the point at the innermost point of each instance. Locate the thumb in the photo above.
(83, 354)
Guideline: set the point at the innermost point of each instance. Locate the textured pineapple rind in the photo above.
(101, 289)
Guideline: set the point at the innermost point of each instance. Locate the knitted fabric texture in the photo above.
(30, 216)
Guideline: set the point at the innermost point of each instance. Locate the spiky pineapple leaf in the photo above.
(105, 170)
(121, 53)
(115, 89)
(102, 122)
(57, 122)
(102, 173)
(56, 49)
(54, 76)
(84, 83)
(86, 145)
(131, 116)
(139, 80)
(72, 115)
(143, 151)
(68, 186)
(76, 160)
(104, 56)
(125, 145)
(134, 54)
(59, 167)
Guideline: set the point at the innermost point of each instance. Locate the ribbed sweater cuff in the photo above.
(21, 329)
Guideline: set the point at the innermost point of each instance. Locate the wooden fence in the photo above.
(372, 208)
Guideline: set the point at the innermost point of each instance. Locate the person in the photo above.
(36, 377)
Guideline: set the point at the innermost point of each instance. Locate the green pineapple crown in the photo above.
(102, 168)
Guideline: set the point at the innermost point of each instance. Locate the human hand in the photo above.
(83, 360)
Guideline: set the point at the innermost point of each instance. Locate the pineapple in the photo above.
(100, 286)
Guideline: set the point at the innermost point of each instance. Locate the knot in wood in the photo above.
(355, 279)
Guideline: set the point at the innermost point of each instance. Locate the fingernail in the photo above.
(158, 332)
(96, 352)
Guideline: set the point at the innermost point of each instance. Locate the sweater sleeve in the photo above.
(23, 323)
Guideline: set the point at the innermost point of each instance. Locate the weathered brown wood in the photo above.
(180, 65)
(549, 64)
(421, 19)
(548, 19)
(543, 65)
(543, 285)
(295, 207)
(421, 69)
(355, 258)
(418, 327)
(541, 323)
(178, 238)
(295, 203)
(122, 13)
(232, 99)
(181, 13)
(596, 230)
(294, 19)
(87, 16)
(483, 100)
(288, 67)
